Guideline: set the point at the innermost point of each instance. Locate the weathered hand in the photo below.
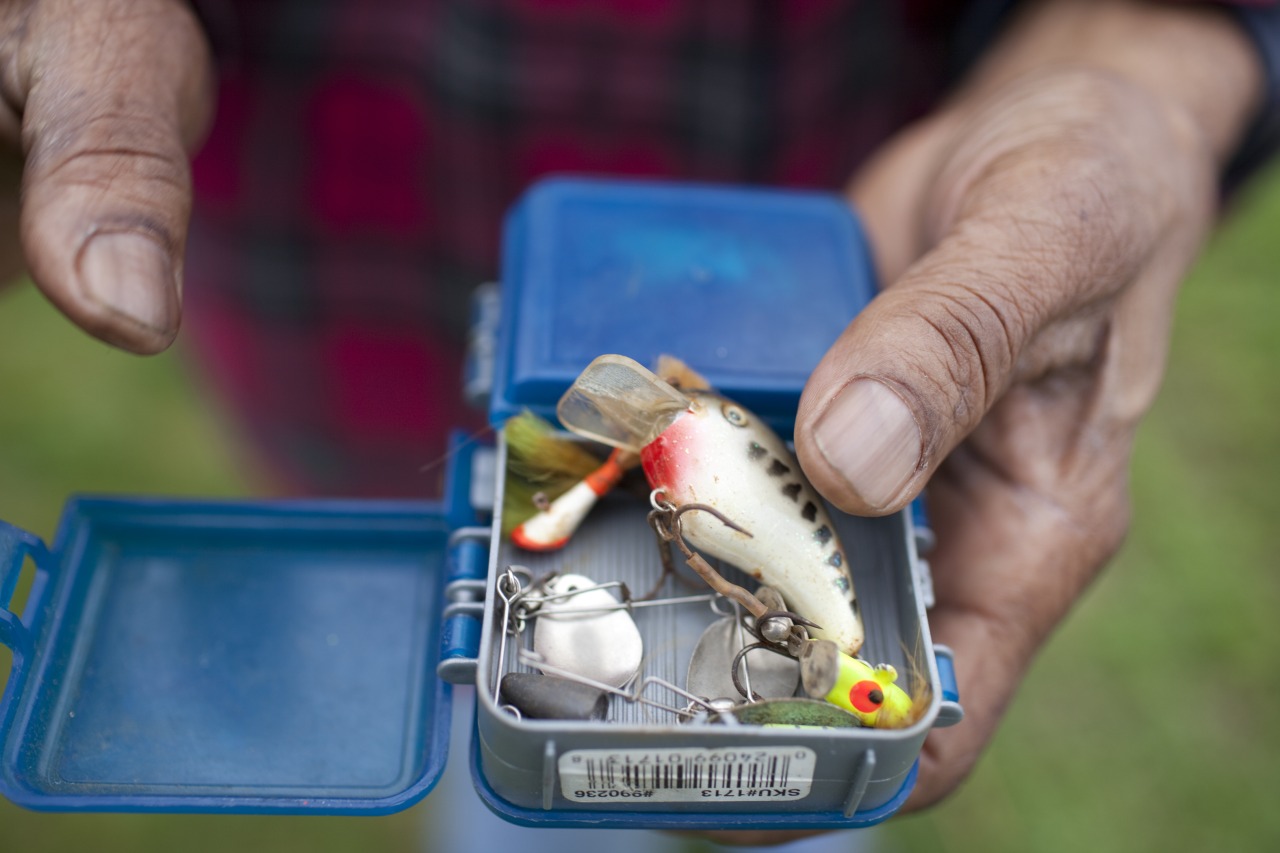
(101, 101)
(1032, 236)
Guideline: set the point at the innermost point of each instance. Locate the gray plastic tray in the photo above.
(856, 769)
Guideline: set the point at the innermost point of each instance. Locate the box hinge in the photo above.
(464, 594)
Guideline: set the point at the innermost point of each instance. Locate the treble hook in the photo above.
(659, 519)
(664, 553)
(666, 521)
(774, 625)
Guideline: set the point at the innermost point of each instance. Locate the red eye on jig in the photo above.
(866, 696)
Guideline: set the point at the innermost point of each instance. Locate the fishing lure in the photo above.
(581, 629)
(551, 527)
(870, 693)
(542, 464)
(720, 655)
(701, 450)
(552, 482)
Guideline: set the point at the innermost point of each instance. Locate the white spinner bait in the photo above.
(582, 629)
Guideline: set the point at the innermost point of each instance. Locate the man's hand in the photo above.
(1032, 236)
(100, 102)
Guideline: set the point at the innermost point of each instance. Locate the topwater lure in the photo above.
(701, 451)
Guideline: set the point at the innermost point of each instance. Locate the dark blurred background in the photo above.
(1147, 724)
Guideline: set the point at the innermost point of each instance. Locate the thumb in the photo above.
(110, 96)
(904, 383)
(1036, 239)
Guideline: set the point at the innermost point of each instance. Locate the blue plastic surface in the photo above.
(947, 676)
(231, 656)
(749, 287)
(16, 546)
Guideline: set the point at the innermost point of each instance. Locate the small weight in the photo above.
(548, 697)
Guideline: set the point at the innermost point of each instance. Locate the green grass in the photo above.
(78, 416)
(1147, 724)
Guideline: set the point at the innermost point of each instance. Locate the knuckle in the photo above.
(969, 336)
(120, 170)
(959, 348)
(112, 141)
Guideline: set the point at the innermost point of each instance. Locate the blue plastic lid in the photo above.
(180, 656)
(762, 281)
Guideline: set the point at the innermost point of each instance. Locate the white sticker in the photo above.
(691, 774)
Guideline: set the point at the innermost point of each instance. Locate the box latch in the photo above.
(950, 711)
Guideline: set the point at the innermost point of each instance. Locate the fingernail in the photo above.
(131, 275)
(870, 437)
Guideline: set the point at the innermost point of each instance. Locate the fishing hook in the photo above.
(665, 521)
(745, 689)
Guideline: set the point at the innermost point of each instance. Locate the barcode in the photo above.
(772, 773)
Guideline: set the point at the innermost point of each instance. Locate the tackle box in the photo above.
(299, 656)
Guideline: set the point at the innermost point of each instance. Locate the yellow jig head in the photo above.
(868, 692)
(871, 693)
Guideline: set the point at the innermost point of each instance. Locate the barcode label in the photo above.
(687, 775)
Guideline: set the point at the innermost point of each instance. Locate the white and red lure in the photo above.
(551, 528)
(697, 447)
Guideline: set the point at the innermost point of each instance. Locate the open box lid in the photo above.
(750, 287)
(250, 657)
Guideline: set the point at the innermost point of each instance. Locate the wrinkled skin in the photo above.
(101, 102)
(1031, 236)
